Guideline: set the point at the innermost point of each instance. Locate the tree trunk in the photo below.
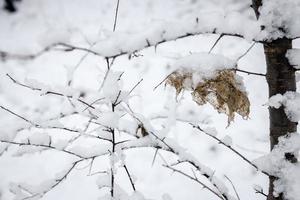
(281, 78)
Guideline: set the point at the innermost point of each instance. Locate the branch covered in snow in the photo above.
(279, 164)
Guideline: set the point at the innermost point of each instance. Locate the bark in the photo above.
(280, 78)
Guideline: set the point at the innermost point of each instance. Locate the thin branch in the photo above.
(19, 116)
(235, 191)
(260, 192)
(38, 125)
(135, 86)
(190, 160)
(249, 73)
(230, 148)
(161, 82)
(40, 145)
(117, 98)
(69, 47)
(195, 179)
(116, 15)
(130, 178)
(215, 43)
(97, 100)
(154, 157)
(9, 56)
(106, 75)
(246, 52)
(57, 181)
(48, 92)
(132, 89)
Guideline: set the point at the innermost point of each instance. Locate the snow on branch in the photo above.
(25, 191)
(278, 19)
(126, 43)
(291, 103)
(154, 140)
(70, 94)
(212, 79)
(278, 164)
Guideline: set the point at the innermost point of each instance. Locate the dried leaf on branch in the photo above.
(224, 91)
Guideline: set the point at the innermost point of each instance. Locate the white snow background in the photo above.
(40, 23)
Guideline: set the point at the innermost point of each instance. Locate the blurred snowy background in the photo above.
(39, 22)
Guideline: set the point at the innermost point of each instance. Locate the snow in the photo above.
(294, 57)
(23, 150)
(109, 119)
(116, 43)
(39, 138)
(203, 66)
(166, 197)
(45, 89)
(112, 86)
(103, 181)
(204, 62)
(29, 31)
(54, 35)
(90, 151)
(60, 144)
(227, 140)
(276, 164)
(211, 131)
(291, 103)
(276, 15)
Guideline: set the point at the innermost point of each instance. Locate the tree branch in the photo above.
(49, 92)
(230, 148)
(41, 145)
(196, 180)
(130, 178)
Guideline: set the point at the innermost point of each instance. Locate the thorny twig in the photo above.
(195, 179)
(230, 148)
(49, 92)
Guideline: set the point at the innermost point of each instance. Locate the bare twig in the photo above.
(249, 73)
(161, 82)
(130, 178)
(132, 89)
(230, 148)
(38, 125)
(48, 92)
(19, 116)
(41, 145)
(246, 52)
(235, 191)
(57, 181)
(260, 192)
(215, 43)
(154, 157)
(116, 15)
(194, 179)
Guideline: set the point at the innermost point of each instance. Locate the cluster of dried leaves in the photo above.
(223, 92)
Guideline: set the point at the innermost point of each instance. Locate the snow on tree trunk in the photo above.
(280, 78)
